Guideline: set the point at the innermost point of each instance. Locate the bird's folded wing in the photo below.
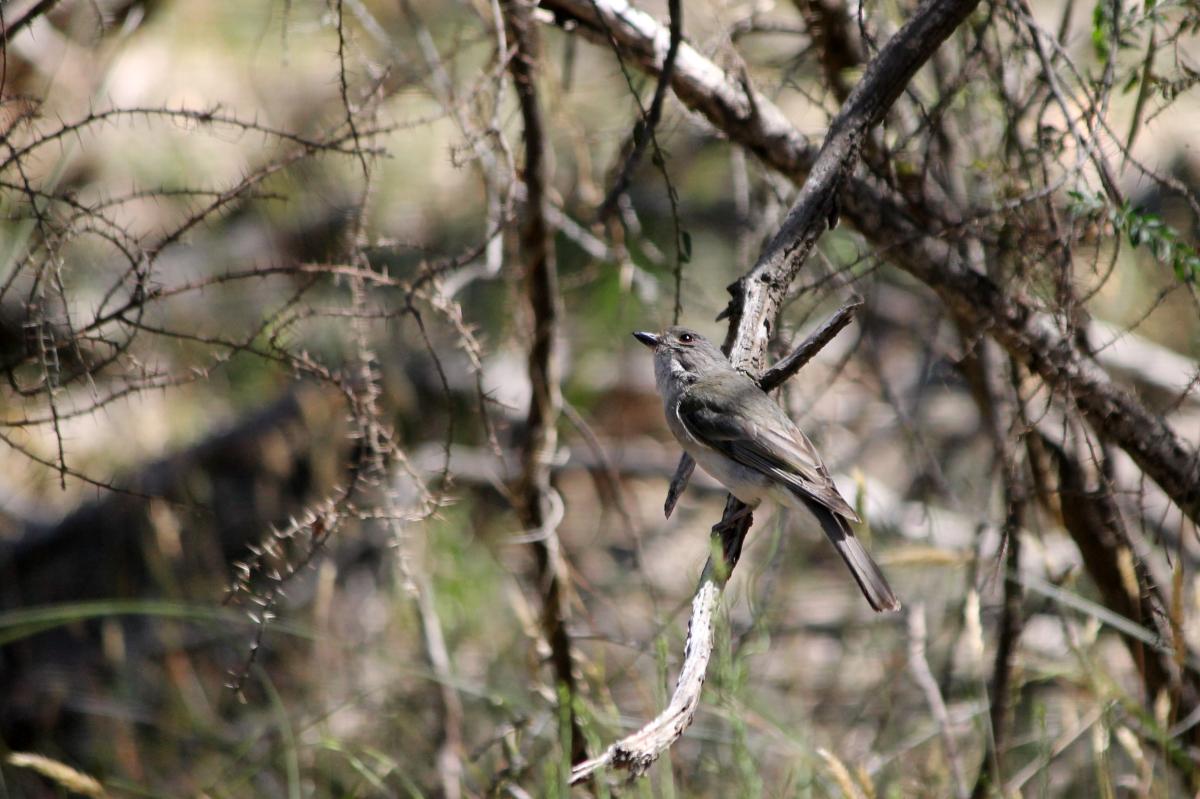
(774, 446)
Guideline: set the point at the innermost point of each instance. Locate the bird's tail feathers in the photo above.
(866, 573)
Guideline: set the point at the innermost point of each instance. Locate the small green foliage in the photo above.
(1102, 26)
(1123, 27)
(1143, 229)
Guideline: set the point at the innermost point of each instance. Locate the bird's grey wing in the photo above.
(770, 443)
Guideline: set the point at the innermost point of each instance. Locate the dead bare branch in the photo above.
(535, 494)
(1001, 411)
(918, 664)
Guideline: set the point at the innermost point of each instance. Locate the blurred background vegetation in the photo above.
(264, 335)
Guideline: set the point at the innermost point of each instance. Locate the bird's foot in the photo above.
(726, 525)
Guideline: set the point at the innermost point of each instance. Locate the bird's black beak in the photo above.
(649, 339)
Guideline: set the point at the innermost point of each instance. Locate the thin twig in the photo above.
(644, 131)
(816, 341)
(919, 665)
(1092, 517)
(35, 11)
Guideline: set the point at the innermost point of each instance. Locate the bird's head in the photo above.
(682, 355)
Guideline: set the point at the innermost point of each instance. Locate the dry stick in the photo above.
(999, 406)
(774, 377)
(919, 665)
(816, 341)
(638, 751)
(756, 302)
(888, 222)
(449, 758)
(11, 29)
(1007, 636)
(535, 495)
(1012, 622)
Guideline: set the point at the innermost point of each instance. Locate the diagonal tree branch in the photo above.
(886, 219)
(13, 27)
(798, 358)
(1034, 339)
(754, 311)
(751, 119)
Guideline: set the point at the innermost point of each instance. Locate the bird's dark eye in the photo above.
(686, 338)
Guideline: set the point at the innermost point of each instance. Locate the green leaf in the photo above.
(685, 249)
(1144, 229)
(1101, 22)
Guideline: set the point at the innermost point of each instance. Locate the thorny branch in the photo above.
(87, 347)
(924, 233)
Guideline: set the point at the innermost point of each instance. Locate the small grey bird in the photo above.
(742, 438)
